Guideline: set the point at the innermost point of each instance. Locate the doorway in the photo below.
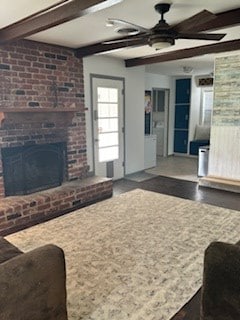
(160, 119)
(108, 126)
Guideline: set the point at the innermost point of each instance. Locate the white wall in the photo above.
(157, 81)
(134, 107)
(134, 115)
(195, 108)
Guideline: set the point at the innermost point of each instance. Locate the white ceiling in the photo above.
(91, 28)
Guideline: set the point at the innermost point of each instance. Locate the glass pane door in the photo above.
(108, 124)
(108, 127)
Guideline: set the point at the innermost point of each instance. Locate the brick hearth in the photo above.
(42, 102)
(19, 212)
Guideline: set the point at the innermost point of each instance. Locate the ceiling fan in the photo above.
(162, 35)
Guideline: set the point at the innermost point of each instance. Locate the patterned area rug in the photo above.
(137, 256)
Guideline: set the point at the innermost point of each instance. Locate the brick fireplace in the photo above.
(33, 168)
(41, 105)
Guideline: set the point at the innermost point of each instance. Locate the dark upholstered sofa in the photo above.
(32, 284)
(196, 144)
(201, 138)
(221, 282)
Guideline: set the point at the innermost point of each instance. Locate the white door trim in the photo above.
(106, 77)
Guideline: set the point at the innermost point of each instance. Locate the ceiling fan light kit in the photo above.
(159, 43)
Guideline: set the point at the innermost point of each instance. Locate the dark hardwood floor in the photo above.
(187, 190)
(182, 189)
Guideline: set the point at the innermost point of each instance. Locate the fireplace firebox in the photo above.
(29, 169)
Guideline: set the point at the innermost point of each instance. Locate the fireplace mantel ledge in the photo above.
(28, 113)
(7, 110)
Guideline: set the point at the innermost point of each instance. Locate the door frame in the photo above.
(166, 119)
(102, 76)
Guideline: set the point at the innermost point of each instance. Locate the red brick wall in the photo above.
(31, 71)
(35, 76)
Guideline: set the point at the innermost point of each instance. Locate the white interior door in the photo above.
(108, 127)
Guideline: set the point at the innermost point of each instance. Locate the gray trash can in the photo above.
(203, 154)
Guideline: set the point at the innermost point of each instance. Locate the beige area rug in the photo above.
(137, 256)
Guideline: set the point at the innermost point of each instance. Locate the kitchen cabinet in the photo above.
(150, 155)
(159, 132)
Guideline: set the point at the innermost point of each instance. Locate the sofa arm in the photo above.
(221, 282)
(196, 144)
(33, 285)
(7, 250)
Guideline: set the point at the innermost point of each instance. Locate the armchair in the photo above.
(32, 284)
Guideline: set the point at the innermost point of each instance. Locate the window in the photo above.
(206, 106)
(108, 128)
(158, 100)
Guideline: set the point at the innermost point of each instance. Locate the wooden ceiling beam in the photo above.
(53, 16)
(185, 53)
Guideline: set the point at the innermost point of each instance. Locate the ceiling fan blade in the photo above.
(128, 39)
(103, 47)
(124, 24)
(223, 19)
(194, 21)
(201, 36)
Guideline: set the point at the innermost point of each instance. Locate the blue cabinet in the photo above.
(182, 111)
(181, 116)
(180, 141)
(183, 88)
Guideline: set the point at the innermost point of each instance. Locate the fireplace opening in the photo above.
(29, 169)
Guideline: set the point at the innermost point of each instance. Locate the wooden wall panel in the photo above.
(224, 160)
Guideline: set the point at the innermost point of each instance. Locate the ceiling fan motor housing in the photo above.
(162, 8)
(162, 33)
